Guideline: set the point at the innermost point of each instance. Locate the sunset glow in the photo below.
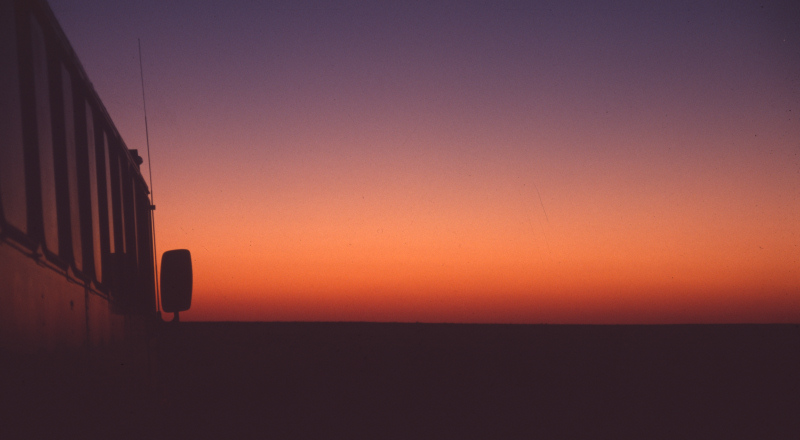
(461, 162)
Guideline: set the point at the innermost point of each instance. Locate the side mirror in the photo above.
(176, 281)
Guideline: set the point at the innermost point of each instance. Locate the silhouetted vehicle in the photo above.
(77, 276)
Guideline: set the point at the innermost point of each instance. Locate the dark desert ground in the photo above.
(385, 380)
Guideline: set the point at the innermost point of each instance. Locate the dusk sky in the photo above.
(521, 162)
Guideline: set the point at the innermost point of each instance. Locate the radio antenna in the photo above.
(150, 171)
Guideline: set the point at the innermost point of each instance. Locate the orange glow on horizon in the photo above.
(473, 242)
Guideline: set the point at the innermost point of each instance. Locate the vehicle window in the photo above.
(120, 188)
(93, 195)
(129, 210)
(72, 169)
(44, 129)
(12, 161)
(107, 183)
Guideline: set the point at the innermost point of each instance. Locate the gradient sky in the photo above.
(525, 162)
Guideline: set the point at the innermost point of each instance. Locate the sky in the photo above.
(465, 161)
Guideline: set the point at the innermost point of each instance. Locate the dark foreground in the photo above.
(408, 381)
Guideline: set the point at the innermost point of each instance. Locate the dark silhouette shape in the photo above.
(176, 281)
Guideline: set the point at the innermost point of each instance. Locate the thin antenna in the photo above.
(150, 170)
